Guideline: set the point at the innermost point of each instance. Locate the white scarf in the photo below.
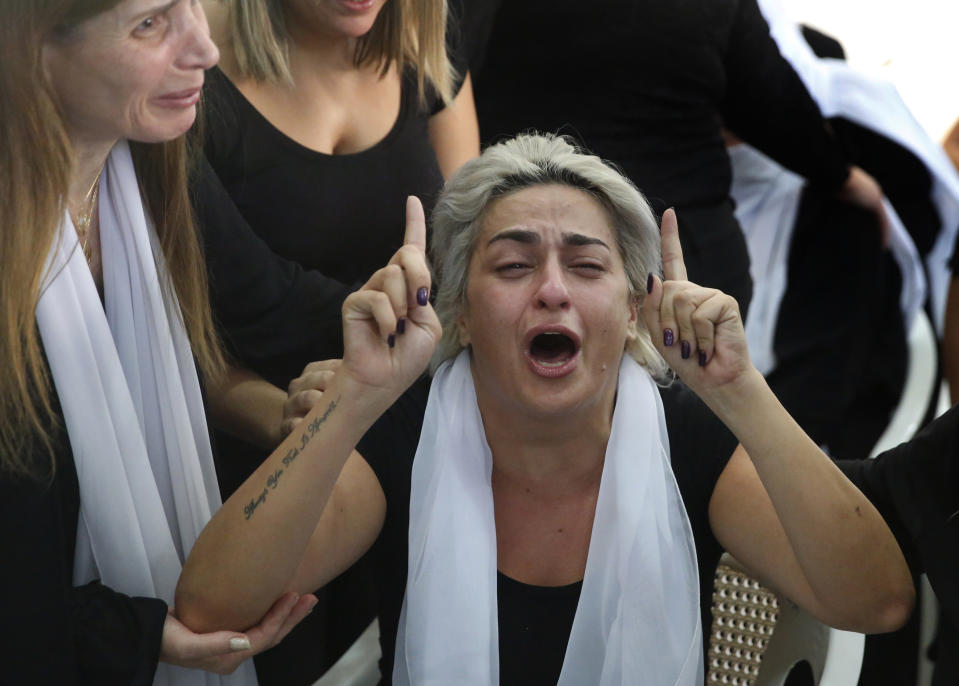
(873, 102)
(638, 616)
(767, 200)
(131, 403)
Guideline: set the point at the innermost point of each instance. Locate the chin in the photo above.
(167, 130)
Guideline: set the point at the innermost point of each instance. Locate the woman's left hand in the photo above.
(698, 330)
(223, 651)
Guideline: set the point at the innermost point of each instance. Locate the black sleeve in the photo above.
(767, 105)
(915, 486)
(56, 633)
(700, 446)
(478, 18)
(268, 309)
(118, 638)
(456, 51)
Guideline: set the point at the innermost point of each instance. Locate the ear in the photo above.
(631, 331)
(463, 332)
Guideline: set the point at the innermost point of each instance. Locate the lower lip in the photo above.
(358, 6)
(180, 102)
(551, 371)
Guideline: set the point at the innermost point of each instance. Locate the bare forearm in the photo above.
(248, 553)
(247, 406)
(846, 552)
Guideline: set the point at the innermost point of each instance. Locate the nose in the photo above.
(551, 292)
(198, 51)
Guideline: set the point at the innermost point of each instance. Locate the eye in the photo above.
(512, 268)
(149, 26)
(588, 268)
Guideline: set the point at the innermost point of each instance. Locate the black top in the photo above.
(268, 310)
(534, 622)
(647, 84)
(343, 215)
(915, 487)
(55, 632)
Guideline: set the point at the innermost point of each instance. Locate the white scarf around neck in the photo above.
(638, 616)
(128, 387)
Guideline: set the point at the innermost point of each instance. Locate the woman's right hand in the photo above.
(389, 326)
(223, 651)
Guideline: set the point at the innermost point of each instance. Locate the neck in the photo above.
(312, 51)
(539, 450)
(88, 160)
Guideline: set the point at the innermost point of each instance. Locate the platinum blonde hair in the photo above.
(533, 160)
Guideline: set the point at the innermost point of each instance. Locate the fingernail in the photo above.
(702, 358)
(391, 340)
(684, 350)
(423, 296)
(312, 605)
(401, 325)
(649, 283)
(238, 644)
(667, 337)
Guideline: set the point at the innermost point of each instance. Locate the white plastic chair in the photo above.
(757, 637)
(918, 389)
(358, 666)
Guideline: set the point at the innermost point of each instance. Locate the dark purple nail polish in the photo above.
(401, 325)
(391, 340)
(667, 337)
(684, 350)
(423, 296)
(649, 283)
(702, 358)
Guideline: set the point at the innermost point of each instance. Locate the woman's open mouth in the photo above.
(553, 353)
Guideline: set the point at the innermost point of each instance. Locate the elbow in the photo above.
(203, 612)
(895, 608)
(886, 609)
(195, 610)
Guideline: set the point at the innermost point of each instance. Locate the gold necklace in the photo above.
(85, 218)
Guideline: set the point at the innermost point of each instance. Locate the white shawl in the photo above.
(873, 102)
(767, 200)
(131, 403)
(638, 618)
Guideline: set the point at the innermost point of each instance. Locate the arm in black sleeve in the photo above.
(268, 309)
(915, 487)
(56, 633)
(456, 50)
(767, 105)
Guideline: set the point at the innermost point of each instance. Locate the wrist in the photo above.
(736, 399)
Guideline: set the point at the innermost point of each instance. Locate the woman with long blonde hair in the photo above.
(106, 475)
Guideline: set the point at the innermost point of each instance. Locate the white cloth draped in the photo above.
(874, 102)
(638, 618)
(767, 200)
(131, 403)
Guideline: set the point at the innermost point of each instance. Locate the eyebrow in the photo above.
(156, 9)
(580, 239)
(533, 238)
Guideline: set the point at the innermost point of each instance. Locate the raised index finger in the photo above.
(415, 224)
(674, 268)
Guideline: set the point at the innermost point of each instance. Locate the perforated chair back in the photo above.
(757, 637)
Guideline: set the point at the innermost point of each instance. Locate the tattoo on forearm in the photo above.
(273, 480)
